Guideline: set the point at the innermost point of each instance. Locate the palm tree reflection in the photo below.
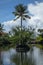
(23, 59)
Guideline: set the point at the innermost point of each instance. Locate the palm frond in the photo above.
(16, 13)
(20, 8)
(16, 18)
(25, 12)
(27, 16)
(24, 18)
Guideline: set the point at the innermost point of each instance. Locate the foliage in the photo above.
(40, 35)
(21, 11)
(27, 34)
(4, 42)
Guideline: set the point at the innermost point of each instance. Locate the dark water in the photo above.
(33, 57)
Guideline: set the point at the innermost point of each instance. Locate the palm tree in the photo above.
(21, 12)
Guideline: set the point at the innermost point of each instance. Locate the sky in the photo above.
(35, 8)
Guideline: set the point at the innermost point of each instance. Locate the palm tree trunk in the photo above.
(21, 29)
(21, 58)
(21, 24)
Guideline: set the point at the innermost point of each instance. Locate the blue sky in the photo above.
(35, 8)
(7, 7)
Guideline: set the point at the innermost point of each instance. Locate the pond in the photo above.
(33, 57)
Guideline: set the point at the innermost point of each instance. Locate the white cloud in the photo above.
(37, 19)
(9, 24)
(37, 11)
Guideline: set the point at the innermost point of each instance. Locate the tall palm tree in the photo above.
(21, 12)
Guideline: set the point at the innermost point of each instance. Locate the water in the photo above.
(33, 57)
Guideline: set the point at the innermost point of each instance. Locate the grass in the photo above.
(39, 46)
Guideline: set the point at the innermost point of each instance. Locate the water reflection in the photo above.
(33, 57)
(7, 55)
(23, 59)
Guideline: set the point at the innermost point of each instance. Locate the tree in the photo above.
(41, 32)
(1, 33)
(40, 37)
(3, 40)
(21, 12)
(1, 30)
(27, 34)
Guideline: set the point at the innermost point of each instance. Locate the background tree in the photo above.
(1, 30)
(4, 43)
(41, 32)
